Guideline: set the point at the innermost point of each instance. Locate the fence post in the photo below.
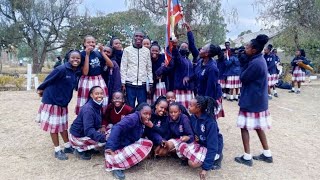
(29, 72)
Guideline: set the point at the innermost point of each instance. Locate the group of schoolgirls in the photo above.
(125, 145)
(230, 70)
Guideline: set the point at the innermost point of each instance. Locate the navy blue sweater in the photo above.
(271, 63)
(181, 127)
(221, 65)
(88, 122)
(295, 60)
(206, 78)
(181, 67)
(155, 66)
(116, 56)
(160, 130)
(59, 84)
(129, 130)
(232, 66)
(192, 47)
(254, 91)
(96, 63)
(207, 131)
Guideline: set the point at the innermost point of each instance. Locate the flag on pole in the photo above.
(174, 15)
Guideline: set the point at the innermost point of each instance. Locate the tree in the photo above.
(37, 23)
(244, 32)
(299, 21)
(203, 15)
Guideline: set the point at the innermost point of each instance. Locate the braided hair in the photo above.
(207, 104)
(159, 99)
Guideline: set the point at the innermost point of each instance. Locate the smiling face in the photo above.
(161, 108)
(97, 94)
(116, 44)
(155, 51)
(174, 112)
(146, 43)
(117, 99)
(145, 114)
(74, 59)
(90, 41)
(171, 97)
(138, 38)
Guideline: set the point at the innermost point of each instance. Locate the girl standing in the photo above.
(206, 151)
(233, 75)
(272, 70)
(85, 132)
(206, 76)
(298, 73)
(117, 50)
(254, 114)
(93, 63)
(56, 92)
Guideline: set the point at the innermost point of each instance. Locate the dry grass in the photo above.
(27, 151)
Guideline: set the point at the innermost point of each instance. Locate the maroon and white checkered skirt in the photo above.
(254, 120)
(298, 75)
(159, 91)
(219, 112)
(85, 84)
(52, 118)
(84, 143)
(233, 82)
(128, 156)
(184, 97)
(272, 79)
(222, 83)
(176, 143)
(193, 151)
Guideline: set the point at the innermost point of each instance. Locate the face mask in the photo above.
(184, 52)
(99, 103)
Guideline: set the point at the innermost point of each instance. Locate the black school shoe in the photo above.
(184, 162)
(217, 163)
(291, 91)
(94, 152)
(69, 150)
(241, 160)
(275, 95)
(264, 158)
(85, 155)
(60, 155)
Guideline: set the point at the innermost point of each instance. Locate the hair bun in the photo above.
(262, 39)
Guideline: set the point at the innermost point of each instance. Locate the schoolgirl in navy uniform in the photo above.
(117, 50)
(180, 128)
(206, 151)
(232, 72)
(92, 62)
(126, 146)
(221, 65)
(207, 74)
(272, 70)
(159, 127)
(86, 135)
(298, 73)
(182, 69)
(56, 92)
(254, 114)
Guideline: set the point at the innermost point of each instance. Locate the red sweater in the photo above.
(113, 117)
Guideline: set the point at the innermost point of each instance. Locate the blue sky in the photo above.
(246, 13)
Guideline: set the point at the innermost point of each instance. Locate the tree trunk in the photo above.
(36, 66)
(0, 62)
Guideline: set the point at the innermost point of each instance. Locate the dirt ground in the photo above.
(27, 151)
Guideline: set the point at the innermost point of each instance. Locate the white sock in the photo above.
(231, 97)
(269, 95)
(217, 157)
(224, 95)
(57, 149)
(299, 89)
(236, 96)
(274, 91)
(247, 156)
(292, 89)
(267, 153)
(67, 145)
